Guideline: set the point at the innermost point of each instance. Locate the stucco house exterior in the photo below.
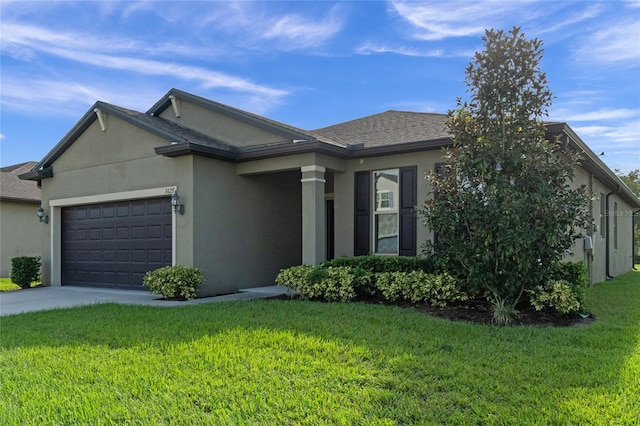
(254, 195)
(21, 234)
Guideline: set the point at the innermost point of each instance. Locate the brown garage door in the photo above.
(115, 244)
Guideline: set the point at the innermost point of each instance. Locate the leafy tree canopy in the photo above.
(504, 209)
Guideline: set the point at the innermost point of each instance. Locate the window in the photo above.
(602, 215)
(384, 212)
(384, 199)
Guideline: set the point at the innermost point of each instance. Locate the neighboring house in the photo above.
(21, 234)
(258, 195)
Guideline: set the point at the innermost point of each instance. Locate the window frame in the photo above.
(378, 211)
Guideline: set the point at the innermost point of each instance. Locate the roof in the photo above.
(389, 128)
(14, 189)
(264, 123)
(386, 133)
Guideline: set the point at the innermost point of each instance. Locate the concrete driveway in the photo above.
(45, 298)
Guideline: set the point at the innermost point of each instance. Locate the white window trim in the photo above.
(383, 211)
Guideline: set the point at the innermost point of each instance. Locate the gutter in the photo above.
(607, 239)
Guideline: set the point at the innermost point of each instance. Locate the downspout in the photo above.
(633, 239)
(607, 238)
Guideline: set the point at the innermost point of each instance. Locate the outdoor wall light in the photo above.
(41, 216)
(178, 208)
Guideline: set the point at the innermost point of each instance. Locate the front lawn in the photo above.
(291, 362)
(7, 285)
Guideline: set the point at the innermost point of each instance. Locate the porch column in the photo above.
(313, 221)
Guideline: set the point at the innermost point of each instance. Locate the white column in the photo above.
(313, 221)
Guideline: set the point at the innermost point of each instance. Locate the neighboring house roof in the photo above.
(12, 188)
(390, 132)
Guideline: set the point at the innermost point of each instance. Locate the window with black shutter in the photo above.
(385, 220)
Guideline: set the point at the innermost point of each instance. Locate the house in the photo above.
(198, 183)
(20, 232)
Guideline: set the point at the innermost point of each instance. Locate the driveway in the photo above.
(45, 298)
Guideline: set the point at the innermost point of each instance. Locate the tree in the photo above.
(632, 180)
(504, 211)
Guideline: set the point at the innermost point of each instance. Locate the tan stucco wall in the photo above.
(220, 126)
(248, 227)
(620, 257)
(344, 193)
(21, 233)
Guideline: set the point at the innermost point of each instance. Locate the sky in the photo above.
(307, 64)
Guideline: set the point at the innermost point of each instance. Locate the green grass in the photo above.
(292, 362)
(7, 285)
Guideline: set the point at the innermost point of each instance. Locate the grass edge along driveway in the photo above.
(292, 362)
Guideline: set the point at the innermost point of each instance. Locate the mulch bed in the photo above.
(479, 312)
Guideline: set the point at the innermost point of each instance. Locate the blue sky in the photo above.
(307, 64)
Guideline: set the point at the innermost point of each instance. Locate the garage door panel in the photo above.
(115, 244)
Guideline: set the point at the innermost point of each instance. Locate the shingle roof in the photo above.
(388, 128)
(180, 133)
(12, 188)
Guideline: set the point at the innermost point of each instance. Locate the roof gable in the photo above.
(172, 106)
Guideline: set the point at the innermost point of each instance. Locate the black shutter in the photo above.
(408, 203)
(362, 222)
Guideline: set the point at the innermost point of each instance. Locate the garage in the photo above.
(115, 244)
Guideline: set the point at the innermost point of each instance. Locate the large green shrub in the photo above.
(174, 282)
(358, 278)
(377, 264)
(25, 270)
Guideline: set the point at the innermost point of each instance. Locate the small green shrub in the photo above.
(294, 276)
(418, 286)
(558, 295)
(174, 282)
(333, 284)
(503, 310)
(25, 270)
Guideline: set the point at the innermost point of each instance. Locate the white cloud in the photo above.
(301, 32)
(369, 48)
(613, 43)
(80, 48)
(599, 115)
(441, 20)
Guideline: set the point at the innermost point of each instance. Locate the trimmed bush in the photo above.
(558, 295)
(174, 282)
(25, 270)
(418, 286)
(358, 278)
(377, 264)
(333, 284)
